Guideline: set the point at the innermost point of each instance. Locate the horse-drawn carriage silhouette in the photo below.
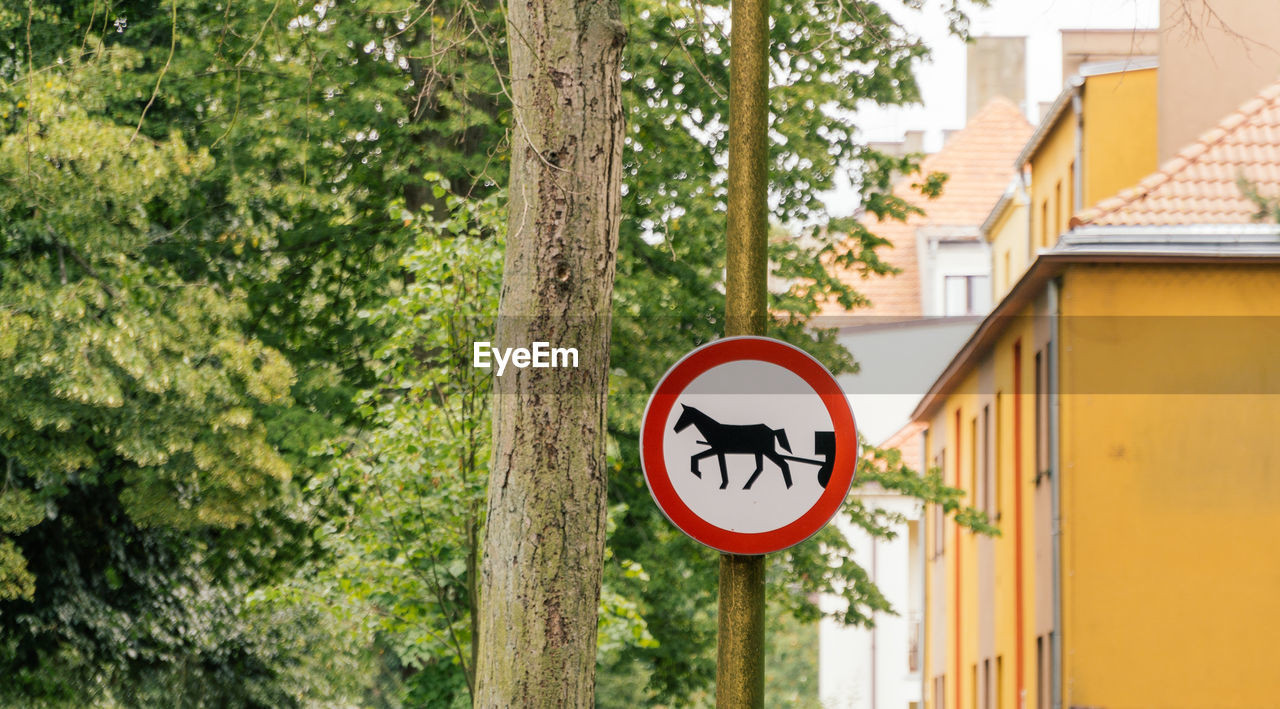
(753, 439)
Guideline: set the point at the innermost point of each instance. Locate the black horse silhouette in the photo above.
(756, 439)
(723, 439)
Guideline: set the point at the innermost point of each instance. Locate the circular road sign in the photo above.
(748, 445)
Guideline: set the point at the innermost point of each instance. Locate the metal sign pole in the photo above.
(740, 650)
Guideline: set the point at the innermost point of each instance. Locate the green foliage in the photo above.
(201, 200)
(130, 616)
(414, 482)
(188, 236)
(19, 511)
(127, 395)
(791, 665)
(110, 363)
(1268, 205)
(143, 496)
(791, 670)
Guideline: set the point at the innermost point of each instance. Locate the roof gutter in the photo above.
(986, 334)
(1059, 107)
(1006, 199)
(1193, 242)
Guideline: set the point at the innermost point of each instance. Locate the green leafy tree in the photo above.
(132, 434)
(188, 239)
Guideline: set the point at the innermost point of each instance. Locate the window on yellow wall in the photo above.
(1057, 210)
(974, 493)
(999, 682)
(986, 683)
(1071, 194)
(940, 692)
(973, 685)
(988, 482)
(1044, 670)
(1008, 273)
(1044, 222)
(935, 529)
(997, 474)
(1041, 700)
(1050, 668)
(1042, 423)
(939, 514)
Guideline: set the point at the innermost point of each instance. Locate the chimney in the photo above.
(913, 141)
(997, 66)
(1045, 107)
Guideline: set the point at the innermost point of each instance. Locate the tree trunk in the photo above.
(544, 540)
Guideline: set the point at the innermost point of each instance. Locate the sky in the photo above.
(942, 78)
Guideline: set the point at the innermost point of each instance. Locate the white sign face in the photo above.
(748, 445)
(742, 500)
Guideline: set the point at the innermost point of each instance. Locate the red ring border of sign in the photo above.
(673, 383)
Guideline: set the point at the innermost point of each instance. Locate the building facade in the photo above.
(1112, 418)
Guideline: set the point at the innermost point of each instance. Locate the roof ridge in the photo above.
(981, 119)
(1187, 156)
(998, 101)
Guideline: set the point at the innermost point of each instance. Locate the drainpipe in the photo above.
(1077, 179)
(1055, 490)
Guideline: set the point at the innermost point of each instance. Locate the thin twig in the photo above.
(75, 256)
(30, 108)
(173, 44)
(261, 30)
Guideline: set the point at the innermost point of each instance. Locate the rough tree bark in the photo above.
(544, 540)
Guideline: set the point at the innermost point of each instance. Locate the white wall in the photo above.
(847, 656)
(899, 362)
(868, 668)
(939, 259)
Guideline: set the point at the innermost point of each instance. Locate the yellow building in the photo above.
(1115, 417)
(1098, 137)
(1005, 229)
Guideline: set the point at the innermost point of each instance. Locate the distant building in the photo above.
(1005, 230)
(1215, 54)
(912, 143)
(1114, 416)
(1094, 46)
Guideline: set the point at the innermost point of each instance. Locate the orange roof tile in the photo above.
(978, 161)
(1199, 185)
(909, 440)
